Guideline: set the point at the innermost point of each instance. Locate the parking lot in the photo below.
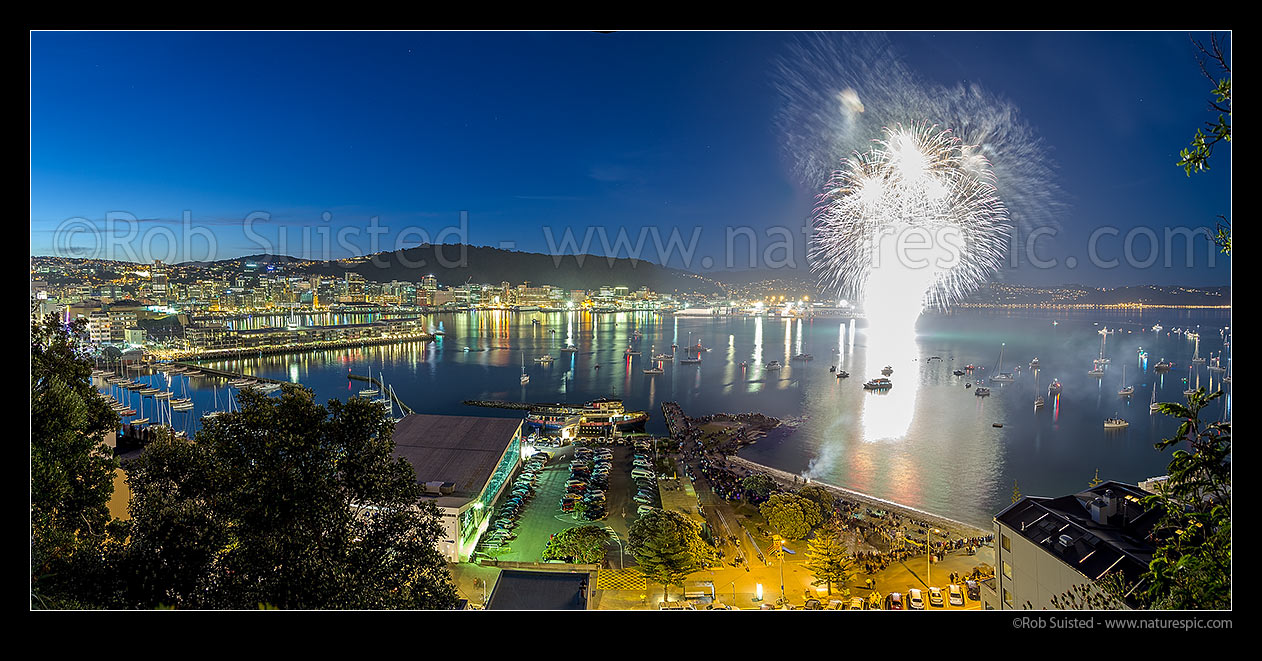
(541, 514)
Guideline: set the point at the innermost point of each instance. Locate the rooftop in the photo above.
(539, 590)
(1093, 545)
(463, 450)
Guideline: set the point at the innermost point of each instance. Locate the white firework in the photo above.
(916, 220)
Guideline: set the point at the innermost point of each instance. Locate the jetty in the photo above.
(224, 373)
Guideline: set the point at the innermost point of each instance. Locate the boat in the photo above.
(1153, 406)
(843, 374)
(525, 378)
(878, 384)
(689, 361)
(1001, 376)
(1102, 360)
(631, 351)
(832, 368)
(1034, 364)
(1096, 370)
(958, 372)
(996, 424)
(1115, 423)
(1053, 389)
(1162, 366)
(597, 417)
(569, 348)
(664, 356)
(368, 392)
(773, 365)
(887, 370)
(1156, 328)
(544, 359)
(803, 356)
(1126, 390)
(981, 391)
(1196, 352)
(653, 370)
(1190, 390)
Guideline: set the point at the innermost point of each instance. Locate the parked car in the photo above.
(974, 590)
(935, 597)
(644, 509)
(955, 596)
(856, 604)
(915, 599)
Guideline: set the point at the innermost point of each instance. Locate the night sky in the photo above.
(532, 133)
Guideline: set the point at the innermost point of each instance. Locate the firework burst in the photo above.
(918, 215)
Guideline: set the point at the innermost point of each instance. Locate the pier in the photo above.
(258, 352)
(498, 404)
(226, 374)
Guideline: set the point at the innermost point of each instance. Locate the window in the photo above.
(1007, 570)
(1007, 597)
(1003, 541)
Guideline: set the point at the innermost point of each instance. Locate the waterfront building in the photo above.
(1045, 547)
(465, 463)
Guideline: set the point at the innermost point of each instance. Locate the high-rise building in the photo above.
(158, 282)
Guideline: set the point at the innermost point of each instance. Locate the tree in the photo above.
(826, 556)
(72, 470)
(1016, 492)
(583, 544)
(821, 496)
(668, 547)
(757, 487)
(286, 503)
(1197, 158)
(1191, 566)
(791, 515)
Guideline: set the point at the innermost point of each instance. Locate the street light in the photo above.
(780, 550)
(928, 557)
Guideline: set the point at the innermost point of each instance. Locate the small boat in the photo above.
(843, 374)
(1034, 364)
(632, 352)
(1156, 328)
(653, 370)
(958, 372)
(664, 356)
(371, 391)
(1115, 423)
(981, 391)
(1153, 406)
(569, 348)
(744, 364)
(1054, 389)
(525, 378)
(887, 370)
(773, 365)
(1126, 390)
(832, 369)
(996, 424)
(544, 359)
(689, 361)
(878, 384)
(1096, 370)
(1162, 366)
(803, 356)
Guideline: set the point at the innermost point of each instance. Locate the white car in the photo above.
(955, 596)
(915, 599)
(935, 597)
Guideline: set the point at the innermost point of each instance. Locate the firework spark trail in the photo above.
(930, 198)
(841, 91)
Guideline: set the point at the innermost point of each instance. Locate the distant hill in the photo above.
(455, 264)
(1002, 294)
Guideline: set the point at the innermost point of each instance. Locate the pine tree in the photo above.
(826, 556)
(1016, 493)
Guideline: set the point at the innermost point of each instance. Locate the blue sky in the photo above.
(535, 133)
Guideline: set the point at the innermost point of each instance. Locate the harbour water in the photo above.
(928, 442)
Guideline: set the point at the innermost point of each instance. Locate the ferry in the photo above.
(597, 417)
(1115, 423)
(878, 384)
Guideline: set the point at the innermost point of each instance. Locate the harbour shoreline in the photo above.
(791, 481)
